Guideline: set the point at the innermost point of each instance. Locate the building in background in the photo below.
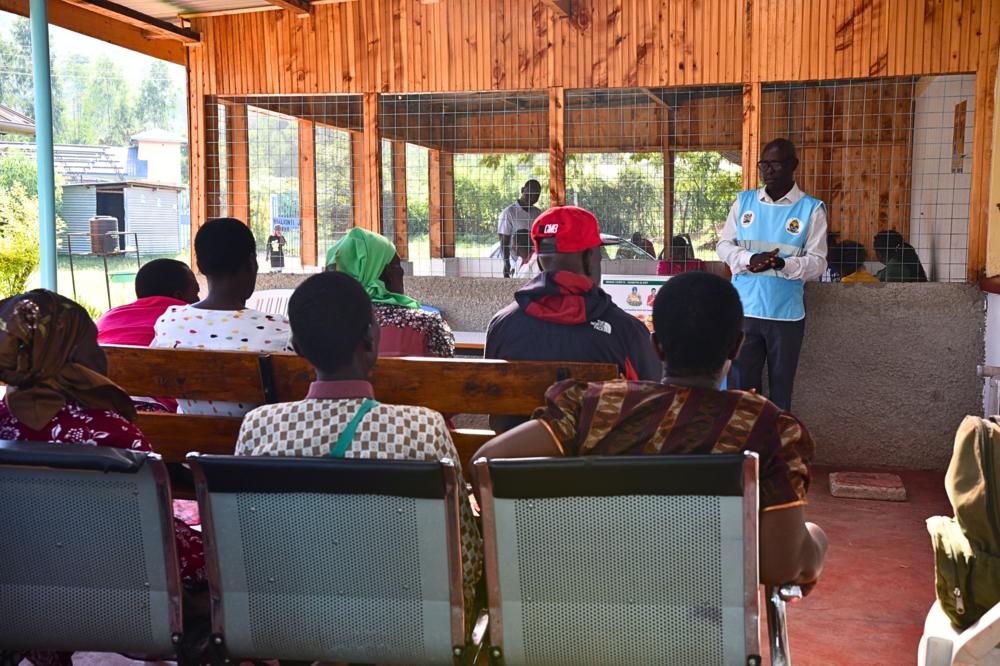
(12, 122)
(140, 185)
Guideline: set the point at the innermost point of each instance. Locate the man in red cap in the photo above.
(563, 314)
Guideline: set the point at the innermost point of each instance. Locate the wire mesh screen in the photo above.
(655, 162)
(285, 165)
(659, 167)
(892, 160)
(455, 163)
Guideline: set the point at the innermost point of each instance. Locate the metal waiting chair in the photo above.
(88, 560)
(322, 559)
(622, 560)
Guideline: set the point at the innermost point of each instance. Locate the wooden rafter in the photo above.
(562, 8)
(157, 28)
(657, 100)
(109, 29)
(301, 8)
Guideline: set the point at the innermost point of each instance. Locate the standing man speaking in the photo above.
(519, 215)
(773, 241)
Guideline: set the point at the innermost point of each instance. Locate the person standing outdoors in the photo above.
(519, 215)
(774, 240)
(276, 250)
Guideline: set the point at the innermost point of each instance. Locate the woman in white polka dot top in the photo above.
(227, 255)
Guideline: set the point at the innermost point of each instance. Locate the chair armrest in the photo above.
(777, 627)
(976, 642)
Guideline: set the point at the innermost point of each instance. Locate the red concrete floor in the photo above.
(878, 583)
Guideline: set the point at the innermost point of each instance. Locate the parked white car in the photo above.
(615, 247)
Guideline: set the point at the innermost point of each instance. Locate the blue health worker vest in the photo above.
(762, 227)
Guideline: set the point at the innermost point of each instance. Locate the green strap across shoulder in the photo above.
(347, 436)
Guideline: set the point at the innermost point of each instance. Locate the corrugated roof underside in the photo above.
(171, 10)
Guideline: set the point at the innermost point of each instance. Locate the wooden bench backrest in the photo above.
(455, 386)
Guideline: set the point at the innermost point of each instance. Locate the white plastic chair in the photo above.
(271, 301)
(944, 645)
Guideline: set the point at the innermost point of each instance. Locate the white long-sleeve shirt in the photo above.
(809, 266)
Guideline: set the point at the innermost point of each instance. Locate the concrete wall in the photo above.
(887, 370)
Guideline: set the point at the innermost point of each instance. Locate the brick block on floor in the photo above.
(868, 485)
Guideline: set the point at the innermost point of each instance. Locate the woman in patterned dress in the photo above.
(58, 391)
(407, 328)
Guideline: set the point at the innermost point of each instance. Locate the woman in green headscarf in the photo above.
(407, 330)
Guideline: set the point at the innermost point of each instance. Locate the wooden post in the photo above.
(984, 216)
(992, 207)
(400, 222)
(307, 192)
(668, 199)
(447, 204)
(196, 144)
(668, 181)
(238, 162)
(371, 173)
(434, 202)
(751, 133)
(359, 184)
(557, 146)
(212, 183)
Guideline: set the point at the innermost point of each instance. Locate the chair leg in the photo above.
(777, 629)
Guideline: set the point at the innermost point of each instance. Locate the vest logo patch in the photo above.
(794, 226)
(602, 326)
(747, 219)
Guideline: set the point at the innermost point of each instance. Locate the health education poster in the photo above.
(634, 294)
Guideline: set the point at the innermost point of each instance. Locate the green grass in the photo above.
(91, 292)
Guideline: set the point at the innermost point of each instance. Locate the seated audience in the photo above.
(524, 263)
(227, 255)
(407, 330)
(643, 243)
(334, 328)
(901, 261)
(681, 260)
(699, 322)
(563, 314)
(58, 390)
(158, 285)
(847, 259)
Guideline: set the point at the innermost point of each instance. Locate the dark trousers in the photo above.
(776, 343)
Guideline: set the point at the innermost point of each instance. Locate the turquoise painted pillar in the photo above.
(43, 141)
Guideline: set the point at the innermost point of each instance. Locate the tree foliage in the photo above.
(93, 102)
(18, 238)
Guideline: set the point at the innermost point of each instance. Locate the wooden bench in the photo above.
(450, 386)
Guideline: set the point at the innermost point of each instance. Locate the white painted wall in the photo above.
(939, 201)
(163, 161)
(992, 344)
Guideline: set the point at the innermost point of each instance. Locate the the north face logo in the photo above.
(602, 326)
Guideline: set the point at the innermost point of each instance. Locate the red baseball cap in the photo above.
(565, 229)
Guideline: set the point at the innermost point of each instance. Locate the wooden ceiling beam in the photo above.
(562, 8)
(106, 29)
(145, 22)
(301, 8)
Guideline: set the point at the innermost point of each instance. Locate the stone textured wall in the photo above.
(887, 371)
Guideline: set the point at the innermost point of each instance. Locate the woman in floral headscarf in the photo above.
(58, 391)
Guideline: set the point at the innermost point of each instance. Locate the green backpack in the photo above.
(967, 547)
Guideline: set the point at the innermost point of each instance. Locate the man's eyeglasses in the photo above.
(771, 165)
